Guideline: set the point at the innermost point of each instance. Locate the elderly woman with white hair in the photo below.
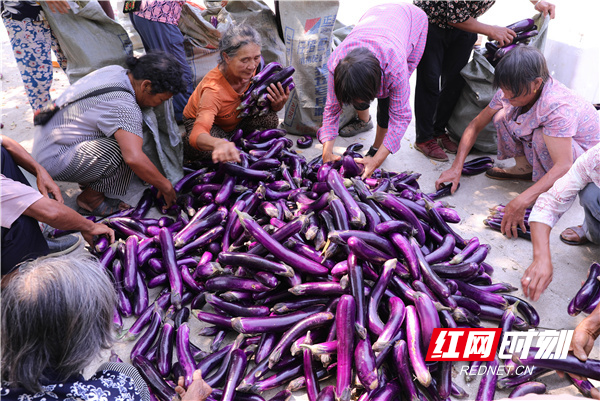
(56, 319)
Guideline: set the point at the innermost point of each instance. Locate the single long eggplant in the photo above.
(160, 388)
(587, 292)
(413, 339)
(279, 251)
(357, 217)
(235, 374)
(528, 388)
(344, 321)
(174, 273)
(280, 323)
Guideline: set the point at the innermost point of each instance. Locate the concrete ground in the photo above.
(477, 194)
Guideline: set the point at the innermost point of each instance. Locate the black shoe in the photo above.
(372, 151)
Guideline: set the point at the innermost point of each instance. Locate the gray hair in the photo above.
(56, 317)
(236, 37)
(519, 68)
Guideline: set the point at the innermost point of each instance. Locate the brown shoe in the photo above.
(574, 236)
(432, 150)
(498, 173)
(447, 144)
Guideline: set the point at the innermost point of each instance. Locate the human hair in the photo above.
(162, 70)
(357, 76)
(236, 37)
(56, 318)
(519, 68)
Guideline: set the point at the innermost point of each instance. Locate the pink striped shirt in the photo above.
(551, 205)
(396, 35)
(167, 12)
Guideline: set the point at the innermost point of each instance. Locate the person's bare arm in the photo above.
(45, 183)
(222, 149)
(131, 149)
(63, 217)
(538, 275)
(503, 35)
(59, 6)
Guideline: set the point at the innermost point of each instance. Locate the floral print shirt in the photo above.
(551, 205)
(167, 12)
(106, 385)
(441, 13)
(21, 10)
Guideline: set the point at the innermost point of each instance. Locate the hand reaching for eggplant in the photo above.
(536, 278)
(225, 151)
(514, 216)
(199, 390)
(277, 96)
(504, 36)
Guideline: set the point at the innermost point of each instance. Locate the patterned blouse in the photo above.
(551, 205)
(441, 13)
(167, 12)
(106, 385)
(21, 10)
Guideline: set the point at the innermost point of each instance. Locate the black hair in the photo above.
(519, 68)
(161, 69)
(357, 77)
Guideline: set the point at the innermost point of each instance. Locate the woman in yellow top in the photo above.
(211, 115)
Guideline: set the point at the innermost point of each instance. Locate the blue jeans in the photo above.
(168, 38)
(589, 198)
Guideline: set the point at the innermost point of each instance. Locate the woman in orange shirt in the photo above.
(210, 116)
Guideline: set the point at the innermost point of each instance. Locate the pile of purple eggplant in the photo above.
(255, 101)
(494, 221)
(525, 30)
(588, 296)
(320, 273)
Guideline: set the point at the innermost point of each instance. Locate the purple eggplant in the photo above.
(161, 390)
(237, 310)
(413, 339)
(304, 142)
(344, 321)
(174, 273)
(357, 217)
(528, 388)
(587, 292)
(280, 323)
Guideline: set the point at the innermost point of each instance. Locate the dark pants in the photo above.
(446, 52)
(168, 38)
(24, 239)
(589, 198)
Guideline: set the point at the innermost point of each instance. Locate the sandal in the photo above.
(498, 173)
(574, 236)
(106, 208)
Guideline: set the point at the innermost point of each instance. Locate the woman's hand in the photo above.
(545, 8)
(502, 35)
(59, 6)
(225, 151)
(451, 175)
(514, 216)
(168, 193)
(328, 155)
(372, 163)
(96, 230)
(277, 96)
(537, 278)
(199, 390)
(46, 185)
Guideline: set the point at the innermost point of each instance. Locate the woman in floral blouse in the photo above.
(540, 123)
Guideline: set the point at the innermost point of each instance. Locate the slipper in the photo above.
(106, 208)
(574, 236)
(498, 173)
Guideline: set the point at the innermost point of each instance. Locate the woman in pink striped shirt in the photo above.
(375, 61)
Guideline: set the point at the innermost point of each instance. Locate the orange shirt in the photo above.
(214, 102)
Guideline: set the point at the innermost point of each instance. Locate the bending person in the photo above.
(56, 320)
(211, 115)
(540, 123)
(97, 141)
(22, 207)
(375, 60)
(582, 179)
